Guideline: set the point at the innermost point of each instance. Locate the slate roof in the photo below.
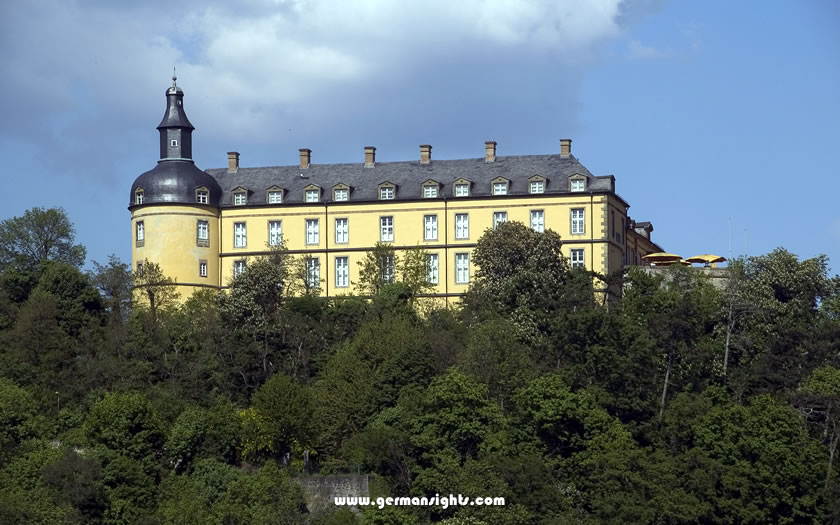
(408, 176)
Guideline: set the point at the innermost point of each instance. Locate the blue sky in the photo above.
(704, 111)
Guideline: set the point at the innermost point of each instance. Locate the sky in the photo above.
(714, 116)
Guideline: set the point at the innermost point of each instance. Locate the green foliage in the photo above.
(17, 414)
(39, 235)
(378, 269)
(125, 423)
(269, 497)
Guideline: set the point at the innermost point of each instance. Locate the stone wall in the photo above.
(321, 490)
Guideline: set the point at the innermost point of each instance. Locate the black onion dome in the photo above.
(176, 178)
(175, 181)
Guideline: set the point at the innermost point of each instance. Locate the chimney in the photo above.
(565, 148)
(370, 156)
(305, 158)
(233, 161)
(490, 151)
(425, 153)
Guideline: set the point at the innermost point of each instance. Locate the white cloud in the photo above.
(640, 51)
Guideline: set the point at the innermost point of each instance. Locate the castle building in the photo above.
(203, 227)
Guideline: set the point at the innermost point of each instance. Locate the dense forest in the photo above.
(679, 402)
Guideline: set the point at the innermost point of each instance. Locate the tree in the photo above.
(39, 235)
(114, 283)
(820, 402)
(287, 410)
(156, 290)
(378, 268)
(414, 272)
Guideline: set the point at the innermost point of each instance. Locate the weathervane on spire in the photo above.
(174, 77)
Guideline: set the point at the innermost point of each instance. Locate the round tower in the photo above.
(175, 207)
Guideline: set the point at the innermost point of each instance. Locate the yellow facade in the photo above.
(201, 225)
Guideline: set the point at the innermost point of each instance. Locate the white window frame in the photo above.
(430, 227)
(240, 198)
(275, 233)
(462, 225)
(577, 258)
(389, 270)
(139, 195)
(342, 230)
(386, 228)
(432, 268)
(275, 197)
(240, 235)
(342, 272)
(499, 217)
(341, 194)
(386, 193)
(202, 268)
(537, 186)
(578, 217)
(313, 272)
(202, 230)
(202, 196)
(313, 234)
(430, 191)
(462, 268)
(462, 190)
(500, 188)
(577, 185)
(141, 231)
(239, 267)
(538, 220)
(312, 195)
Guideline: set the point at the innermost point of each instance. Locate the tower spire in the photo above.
(174, 78)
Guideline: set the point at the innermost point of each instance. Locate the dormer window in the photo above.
(202, 196)
(577, 183)
(240, 197)
(386, 192)
(500, 186)
(138, 196)
(430, 189)
(341, 193)
(462, 188)
(274, 195)
(311, 193)
(536, 184)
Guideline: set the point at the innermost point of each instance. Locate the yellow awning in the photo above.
(707, 258)
(662, 257)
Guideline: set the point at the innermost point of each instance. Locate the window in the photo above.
(313, 272)
(202, 196)
(538, 220)
(342, 272)
(341, 194)
(275, 233)
(430, 227)
(578, 226)
(462, 268)
(202, 268)
(500, 188)
(386, 193)
(388, 269)
(275, 197)
(578, 185)
(240, 198)
(240, 237)
(432, 268)
(342, 231)
(312, 234)
(173, 143)
(386, 229)
(577, 258)
(462, 190)
(537, 186)
(202, 233)
(312, 195)
(238, 268)
(139, 267)
(141, 233)
(138, 197)
(462, 226)
(499, 217)
(430, 192)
